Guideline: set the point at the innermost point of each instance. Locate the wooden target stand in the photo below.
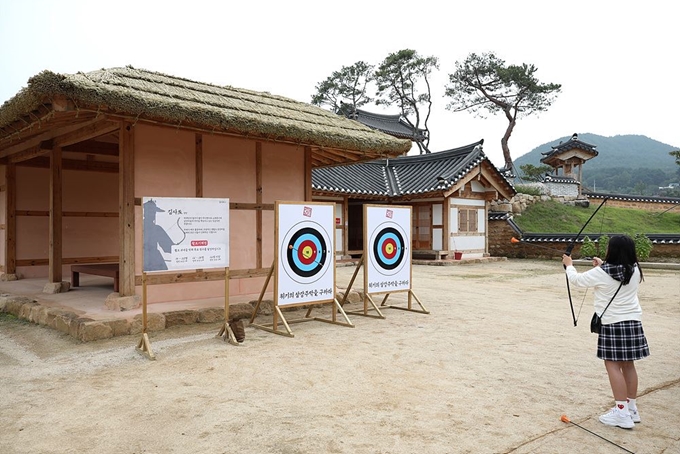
(278, 314)
(144, 345)
(368, 299)
(391, 224)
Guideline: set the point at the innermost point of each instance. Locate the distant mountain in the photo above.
(628, 164)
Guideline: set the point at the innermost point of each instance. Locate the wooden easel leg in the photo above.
(339, 308)
(228, 334)
(273, 327)
(368, 299)
(264, 288)
(409, 307)
(351, 281)
(145, 346)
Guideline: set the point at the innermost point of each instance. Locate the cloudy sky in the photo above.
(617, 61)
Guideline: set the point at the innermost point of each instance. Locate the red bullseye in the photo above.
(307, 252)
(389, 248)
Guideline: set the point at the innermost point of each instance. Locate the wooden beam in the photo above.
(47, 135)
(55, 227)
(62, 104)
(234, 205)
(74, 214)
(200, 276)
(41, 149)
(92, 130)
(68, 261)
(258, 198)
(73, 164)
(199, 165)
(126, 200)
(93, 147)
(10, 219)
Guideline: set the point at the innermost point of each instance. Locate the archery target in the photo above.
(389, 248)
(305, 252)
(387, 243)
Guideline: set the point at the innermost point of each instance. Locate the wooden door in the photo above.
(421, 236)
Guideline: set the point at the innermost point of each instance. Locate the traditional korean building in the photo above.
(394, 125)
(569, 157)
(449, 191)
(78, 152)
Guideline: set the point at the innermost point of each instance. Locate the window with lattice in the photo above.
(467, 220)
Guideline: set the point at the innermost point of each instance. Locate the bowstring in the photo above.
(598, 239)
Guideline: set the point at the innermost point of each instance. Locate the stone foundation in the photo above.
(86, 329)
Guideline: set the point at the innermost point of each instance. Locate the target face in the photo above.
(305, 252)
(389, 248)
(387, 243)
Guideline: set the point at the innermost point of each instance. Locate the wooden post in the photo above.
(345, 226)
(126, 208)
(55, 215)
(258, 201)
(308, 174)
(199, 165)
(10, 219)
(144, 345)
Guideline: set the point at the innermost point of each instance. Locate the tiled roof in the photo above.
(559, 179)
(568, 145)
(393, 125)
(405, 175)
(655, 238)
(632, 198)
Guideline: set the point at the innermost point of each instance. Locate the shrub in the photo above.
(643, 246)
(588, 248)
(530, 190)
(602, 244)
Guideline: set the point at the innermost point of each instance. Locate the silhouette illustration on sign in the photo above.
(156, 237)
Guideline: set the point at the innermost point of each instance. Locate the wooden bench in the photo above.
(98, 269)
(429, 254)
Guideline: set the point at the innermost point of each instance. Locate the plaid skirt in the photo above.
(622, 341)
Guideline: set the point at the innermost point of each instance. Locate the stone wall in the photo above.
(640, 204)
(501, 232)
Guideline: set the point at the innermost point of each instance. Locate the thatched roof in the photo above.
(147, 95)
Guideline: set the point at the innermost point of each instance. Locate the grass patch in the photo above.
(553, 217)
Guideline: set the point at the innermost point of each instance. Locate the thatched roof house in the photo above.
(87, 148)
(145, 95)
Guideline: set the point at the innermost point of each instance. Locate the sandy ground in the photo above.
(490, 370)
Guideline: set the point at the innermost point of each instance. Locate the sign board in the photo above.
(185, 233)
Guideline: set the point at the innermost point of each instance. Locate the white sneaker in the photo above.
(617, 418)
(635, 415)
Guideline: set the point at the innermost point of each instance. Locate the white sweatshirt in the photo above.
(625, 306)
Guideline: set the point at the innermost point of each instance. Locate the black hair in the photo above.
(621, 251)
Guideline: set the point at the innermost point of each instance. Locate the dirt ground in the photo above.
(490, 370)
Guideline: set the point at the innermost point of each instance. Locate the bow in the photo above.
(570, 248)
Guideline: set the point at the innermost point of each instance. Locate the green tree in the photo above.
(402, 80)
(346, 90)
(531, 172)
(485, 83)
(676, 155)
